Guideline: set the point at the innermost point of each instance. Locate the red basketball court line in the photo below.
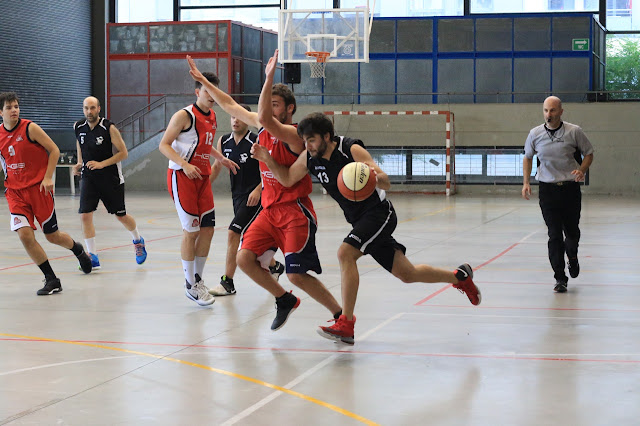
(549, 284)
(533, 308)
(217, 228)
(103, 249)
(351, 351)
(432, 295)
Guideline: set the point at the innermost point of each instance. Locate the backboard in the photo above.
(342, 32)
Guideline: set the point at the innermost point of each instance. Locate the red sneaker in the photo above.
(341, 331)
(465, 284)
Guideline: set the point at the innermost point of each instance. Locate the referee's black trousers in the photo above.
(560, 205)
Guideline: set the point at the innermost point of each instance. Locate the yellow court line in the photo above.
(206, 367)
(428, 214)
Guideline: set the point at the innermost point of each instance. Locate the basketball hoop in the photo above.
(317, 67)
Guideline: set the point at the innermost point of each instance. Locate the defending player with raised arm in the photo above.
(287, 220)
(373, 219)
(188, 144)
(29, 157)
(246, 191)
(100, 150)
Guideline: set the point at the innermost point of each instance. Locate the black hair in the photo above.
(245, 106)
(211, 77)
(7, 97)
(315, 123)
(285, 93)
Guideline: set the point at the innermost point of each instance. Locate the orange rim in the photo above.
(320, 56)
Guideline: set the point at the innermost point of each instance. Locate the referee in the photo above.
(559, 146)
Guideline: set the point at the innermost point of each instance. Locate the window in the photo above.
(473, 165)
(264, 17)
(144, 10)
(505, 6)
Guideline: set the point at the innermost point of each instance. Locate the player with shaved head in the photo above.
(100, 151)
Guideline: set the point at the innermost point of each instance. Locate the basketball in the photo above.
(356, 182)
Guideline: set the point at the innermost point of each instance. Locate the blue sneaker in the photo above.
(95, 263)
(141, 251)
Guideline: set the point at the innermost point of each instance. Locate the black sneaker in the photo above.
(276, 270)
(574, 267)
(51, 286)
(85, 262)
(225, 288)
(285, 305)
(561, 287)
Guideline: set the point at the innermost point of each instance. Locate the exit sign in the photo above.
(580, 44)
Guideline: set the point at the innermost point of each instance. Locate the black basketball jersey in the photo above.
(248, 175)
(327, 173)
(95, 145)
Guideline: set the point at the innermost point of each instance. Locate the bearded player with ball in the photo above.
(346, 170)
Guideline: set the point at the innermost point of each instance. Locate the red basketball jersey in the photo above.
(195, 143)
(24, 161)
(272, 191)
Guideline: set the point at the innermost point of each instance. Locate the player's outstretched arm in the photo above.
(225, 101)
(362, 155)
(38, 135)
(284, 132)
(287, 176)
(178, 122)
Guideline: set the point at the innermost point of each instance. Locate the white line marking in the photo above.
(22, 370)
(264, 401)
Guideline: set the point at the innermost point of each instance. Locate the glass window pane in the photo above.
(431, 164)
(523, 6)
(127, 39)
(312, 4)
(391, 164)
(412, 7)
(228, 2)
(623, 15)
(144, 10)
(182, 38)
(623, 52)
(468, 164)
(265, 17)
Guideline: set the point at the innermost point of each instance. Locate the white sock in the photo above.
(90, 243)
(188, 266)
(200, 261)
(135, 234)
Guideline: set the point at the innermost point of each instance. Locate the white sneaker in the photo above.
(199, 293)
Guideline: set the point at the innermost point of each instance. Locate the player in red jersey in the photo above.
(29, 158)
(188, 144)
(287, 220)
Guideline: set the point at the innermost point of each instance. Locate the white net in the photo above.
(317, 69)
